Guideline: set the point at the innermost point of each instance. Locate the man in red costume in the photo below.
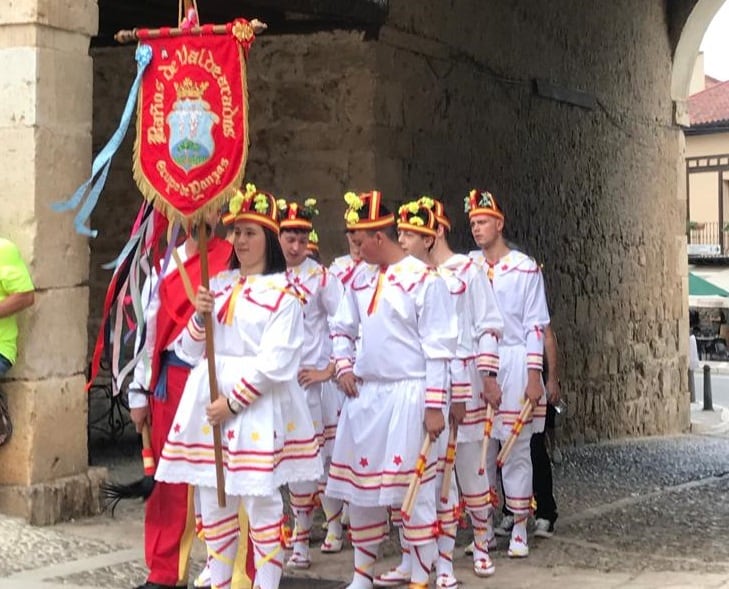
(159, 380)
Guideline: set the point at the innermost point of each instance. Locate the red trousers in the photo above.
(169, 519)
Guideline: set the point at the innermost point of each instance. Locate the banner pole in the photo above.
(210, 353)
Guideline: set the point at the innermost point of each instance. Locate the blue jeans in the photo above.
(5, 365)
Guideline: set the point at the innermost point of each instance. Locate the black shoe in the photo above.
(149, 585)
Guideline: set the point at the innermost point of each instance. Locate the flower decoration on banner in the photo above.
(243, 31)
(354, 206)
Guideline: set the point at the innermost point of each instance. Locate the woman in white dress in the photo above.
(267, 434)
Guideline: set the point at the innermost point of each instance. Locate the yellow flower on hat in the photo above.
(353, 201)
(313, 237)
(412, 207)
(281, 204)
(417, 221)
(427, 202)
(251, 189)
(310, 202)
(236, 203)
(260, 203)
(351, 217)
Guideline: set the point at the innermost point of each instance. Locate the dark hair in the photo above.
(389, 231)
(296, 230)
(275, 261)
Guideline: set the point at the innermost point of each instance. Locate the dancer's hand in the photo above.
(457, 414)
(309, 376)
(491, 393)
(434, 422)
(139, 416)
(348, 383)
(204, 301)
(218, 411)
(535, 387)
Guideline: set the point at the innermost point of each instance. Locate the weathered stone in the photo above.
(49, 438)
(64, 498)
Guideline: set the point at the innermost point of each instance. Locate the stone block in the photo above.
(51, 502)
(18, 88)
(49, 439)
(64, 91)
(54, 334)
(81, 16)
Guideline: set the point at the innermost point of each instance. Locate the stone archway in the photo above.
(687, 49)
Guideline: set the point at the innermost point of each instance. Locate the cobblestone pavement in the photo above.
(648, 513)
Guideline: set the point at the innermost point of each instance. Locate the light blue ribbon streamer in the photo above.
(91, 189)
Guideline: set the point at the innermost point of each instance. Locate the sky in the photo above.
(716, 45)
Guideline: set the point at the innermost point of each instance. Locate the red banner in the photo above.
(192, 117)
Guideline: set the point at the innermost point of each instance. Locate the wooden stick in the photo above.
(417, 476)
(450, 458)
(526, 412)
(130, 36)
(487, 427)
(210, 352)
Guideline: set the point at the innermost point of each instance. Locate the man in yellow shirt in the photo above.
(16, 293)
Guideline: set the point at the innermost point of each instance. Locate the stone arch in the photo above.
(687, 49)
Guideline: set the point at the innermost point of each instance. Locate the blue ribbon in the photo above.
(91, 189)
(169, 359)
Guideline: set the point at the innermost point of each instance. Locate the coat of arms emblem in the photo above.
(191, 124)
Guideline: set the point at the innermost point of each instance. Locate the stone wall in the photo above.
(444, 100)
(595, 194)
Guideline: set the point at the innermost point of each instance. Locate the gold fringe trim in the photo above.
(158, 200)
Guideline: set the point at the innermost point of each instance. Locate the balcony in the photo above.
(708, 242)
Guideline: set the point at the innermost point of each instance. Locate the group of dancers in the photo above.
(361, 385)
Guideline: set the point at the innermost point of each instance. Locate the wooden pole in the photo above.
(420, 466)
(450, 459)
(210, 352)
(131, 36)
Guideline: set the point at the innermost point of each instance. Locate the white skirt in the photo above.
(265, 446)
(378, 440)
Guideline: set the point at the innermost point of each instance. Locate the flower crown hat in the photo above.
(440, 214)
(295, 216)
(482, 202)
(418, 216)
(365, 211)
(255, 206)
(313, 245)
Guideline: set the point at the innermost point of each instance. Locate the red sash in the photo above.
(175, 308)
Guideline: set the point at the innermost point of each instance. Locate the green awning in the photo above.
(703, 288)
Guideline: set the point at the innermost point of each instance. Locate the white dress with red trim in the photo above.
(519, 288)
(321, 291)
(408, 336)
(258, 331)
(479, 329)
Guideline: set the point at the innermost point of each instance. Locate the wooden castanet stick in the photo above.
(417, 476)
(526, 412)
(487, 427)
(450, 459)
